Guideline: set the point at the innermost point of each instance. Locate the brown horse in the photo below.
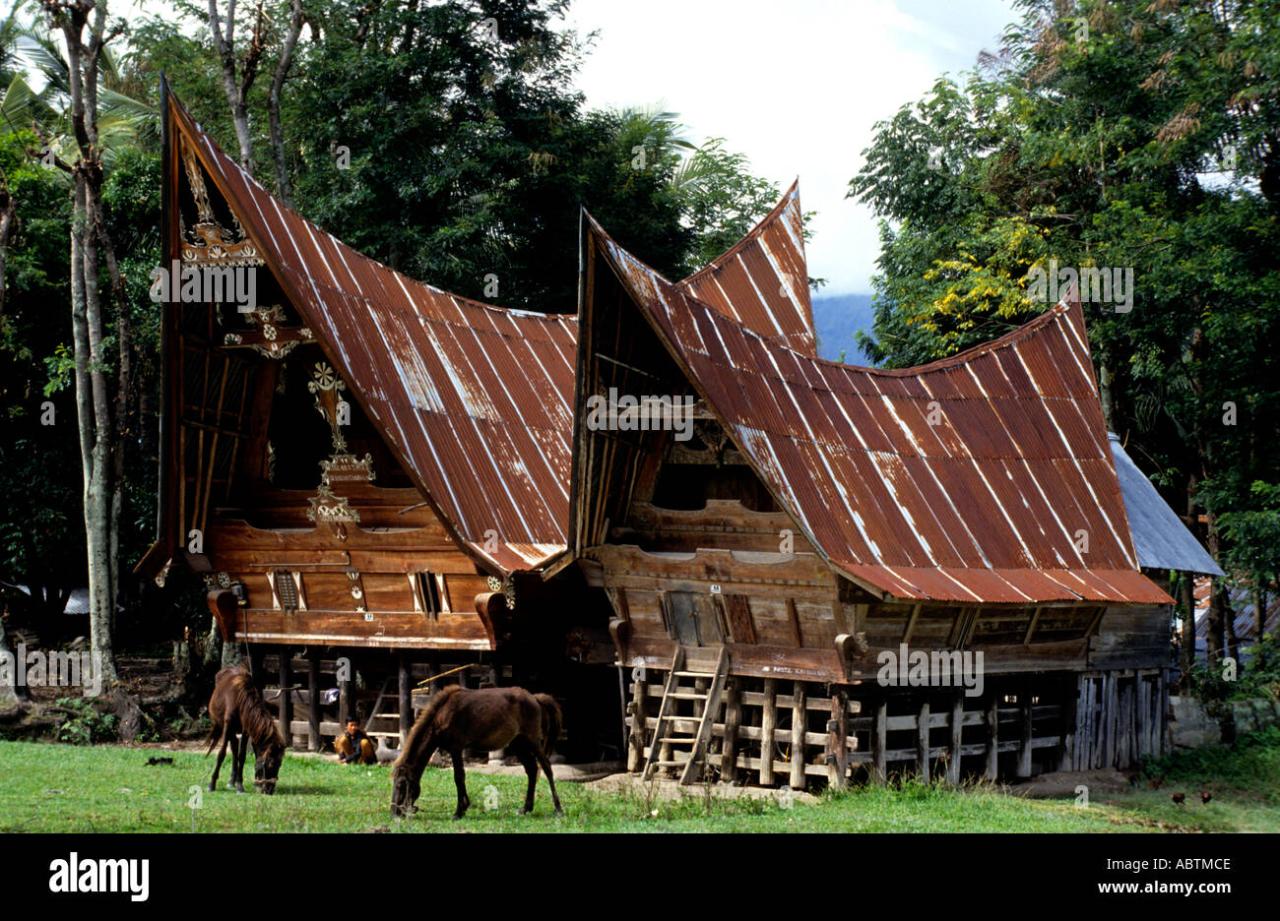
(492, 718)
(237, 707)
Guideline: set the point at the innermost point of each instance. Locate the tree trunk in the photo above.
(283, 186)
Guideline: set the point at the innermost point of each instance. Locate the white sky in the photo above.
(795, 85)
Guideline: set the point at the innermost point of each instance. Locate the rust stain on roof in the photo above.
(982, 478)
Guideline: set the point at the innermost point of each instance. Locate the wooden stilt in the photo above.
(639, 713)
(286, 696)
(313, 701)
(732, 717)
(406, 697)
(768, 725)
(957, 732)
(1024, 737)
(838, 740)
(346, 700)
(922, 742)
(880, 743)
(798, 721)
(993, 737)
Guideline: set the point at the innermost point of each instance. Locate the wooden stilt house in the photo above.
(371, 474)
(842, 572)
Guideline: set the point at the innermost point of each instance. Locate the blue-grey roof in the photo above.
(1159, 536)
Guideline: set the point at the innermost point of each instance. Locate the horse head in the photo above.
(405, 790)
(266, 766)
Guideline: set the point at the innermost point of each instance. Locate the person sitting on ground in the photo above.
(354, 746)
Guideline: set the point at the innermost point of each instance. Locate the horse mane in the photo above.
(255, 717)
(422, 723)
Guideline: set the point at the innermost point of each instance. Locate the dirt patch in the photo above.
(668, 789)
(1063, 784)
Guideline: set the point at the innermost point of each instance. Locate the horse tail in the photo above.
(422, 723)
(552, 721)
(213, 739)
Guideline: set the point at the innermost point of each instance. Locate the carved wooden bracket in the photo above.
(223, 604)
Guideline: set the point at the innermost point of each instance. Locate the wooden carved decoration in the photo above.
(208, 242)
(271, 338)
(328, 388)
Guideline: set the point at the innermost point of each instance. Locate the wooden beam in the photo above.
(993, 736)
(911, 623)
(286, 696)
(1024, 740)
(1031, 627)
(346, 703)
(313, 701)
(798, 719)
(768, 724)
(879, 742)
(406, 696)
(732, 717)
(639, 712)
(838, 741)
(957, 731)
(922, 742)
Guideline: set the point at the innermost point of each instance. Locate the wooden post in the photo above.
(639, 713)
(1162, 715)
(732, 717)
(286, 696)
(993, 737)
(313, 701)
(1024, 741)
(768, 723)
(346, 701)
(798, 721)
(922, 741)
(879, 742)
(406, 697)
(957, 732)
(838, 740)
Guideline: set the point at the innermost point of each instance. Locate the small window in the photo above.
(433, 595)
(286, 590)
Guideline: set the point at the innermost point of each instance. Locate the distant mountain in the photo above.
(837, 318)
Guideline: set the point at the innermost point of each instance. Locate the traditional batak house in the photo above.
(363, 467)
(803, 579)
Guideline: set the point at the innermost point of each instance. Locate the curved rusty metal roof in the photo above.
(475, 401)
(983, 478)
(763, 281)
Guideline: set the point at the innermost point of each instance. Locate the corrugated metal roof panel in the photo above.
(763, 281)
(1159, 536)
(994, 459)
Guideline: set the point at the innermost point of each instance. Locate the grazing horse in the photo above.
(237, 707)
(491, 718)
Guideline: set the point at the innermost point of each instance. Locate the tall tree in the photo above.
(84, 29)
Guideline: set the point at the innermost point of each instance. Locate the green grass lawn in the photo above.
(62, 788)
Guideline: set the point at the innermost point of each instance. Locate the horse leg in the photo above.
(460, 781)
(239, 749)
(222, 753)
(530, 763)
(551, 781)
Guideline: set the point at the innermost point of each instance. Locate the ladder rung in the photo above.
(695, 675)
(688, 695)
(677, 740)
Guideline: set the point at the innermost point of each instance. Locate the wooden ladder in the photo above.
(377, 714)
(706, 706)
